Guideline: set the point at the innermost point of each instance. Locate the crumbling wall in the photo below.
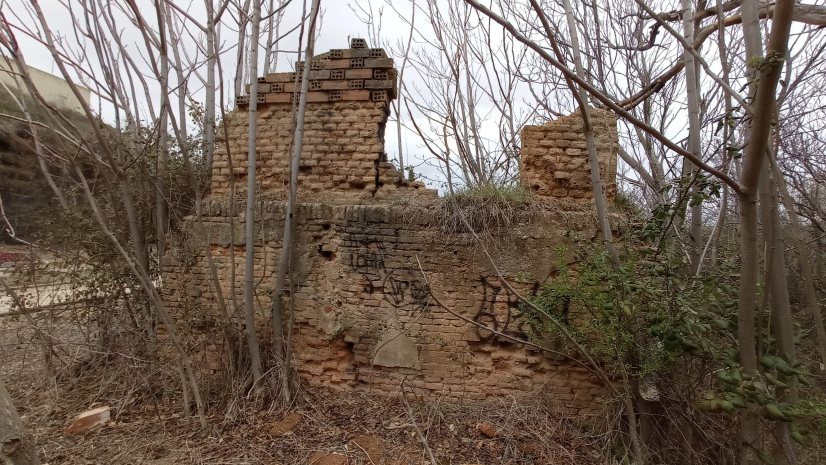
(372, 256)
(365, 317)
(554, 159)
(343, 158)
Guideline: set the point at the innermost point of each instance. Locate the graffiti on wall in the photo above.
(406, 292)
(500, 312)
(400, 287)
(366, 255)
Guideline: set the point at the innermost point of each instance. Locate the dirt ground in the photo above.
(322, 428)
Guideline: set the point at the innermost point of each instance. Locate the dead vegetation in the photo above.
(324, 425)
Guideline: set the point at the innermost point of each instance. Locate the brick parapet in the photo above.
(554, 157)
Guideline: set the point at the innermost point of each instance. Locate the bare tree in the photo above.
(281, 349)
(252, 187)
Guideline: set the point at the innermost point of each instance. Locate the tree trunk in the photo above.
(693, 99)
(16, 446)
(753, 162)
(806, 269)
(249, 220)
(286, 243)
(162, 164)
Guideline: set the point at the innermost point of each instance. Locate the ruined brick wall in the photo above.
(364, 314)
(555, 160)
(343, 158)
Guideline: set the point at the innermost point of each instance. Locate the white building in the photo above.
(54, 89)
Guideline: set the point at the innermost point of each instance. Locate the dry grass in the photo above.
(146, 427)
(494, 210)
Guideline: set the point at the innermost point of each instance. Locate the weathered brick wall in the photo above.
(364, 317)
(343, 158)
(555, 160)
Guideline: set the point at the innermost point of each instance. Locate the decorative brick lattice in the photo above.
(376, 53)
(358, 43)
(356, 84)
(277, 87)
(336, 54)
(357, 63)
(337, 74)
(335, 95)
(378, 96)
(380, 74)
(315, 85)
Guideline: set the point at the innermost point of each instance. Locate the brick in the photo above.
(278, 98)
(351, 95)
(334, 85)
(278, 77)
(358, 74)
(378, 63)
(374, 84)
(336, 64)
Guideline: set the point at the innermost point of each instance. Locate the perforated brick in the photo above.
(277, 87)
(357, 63)
(315, 65)
(315, 85)
(336, 53)
(356, 84)
(242, 100)
(380, 74)
(378, 96)
(376, 53)
(337, 74)
(335, 95)
(358, 43)
(260, 98)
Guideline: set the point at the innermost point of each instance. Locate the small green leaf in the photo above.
(773, 412)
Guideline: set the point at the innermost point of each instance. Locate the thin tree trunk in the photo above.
(588, 129)
(249, 220)
(694, 137)
(400, 96)
(286, 243)
(161, 167)
(209, 97)
(599, 194)
(16, 445)
(781, 316)
(753, 163)
(806, 269)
